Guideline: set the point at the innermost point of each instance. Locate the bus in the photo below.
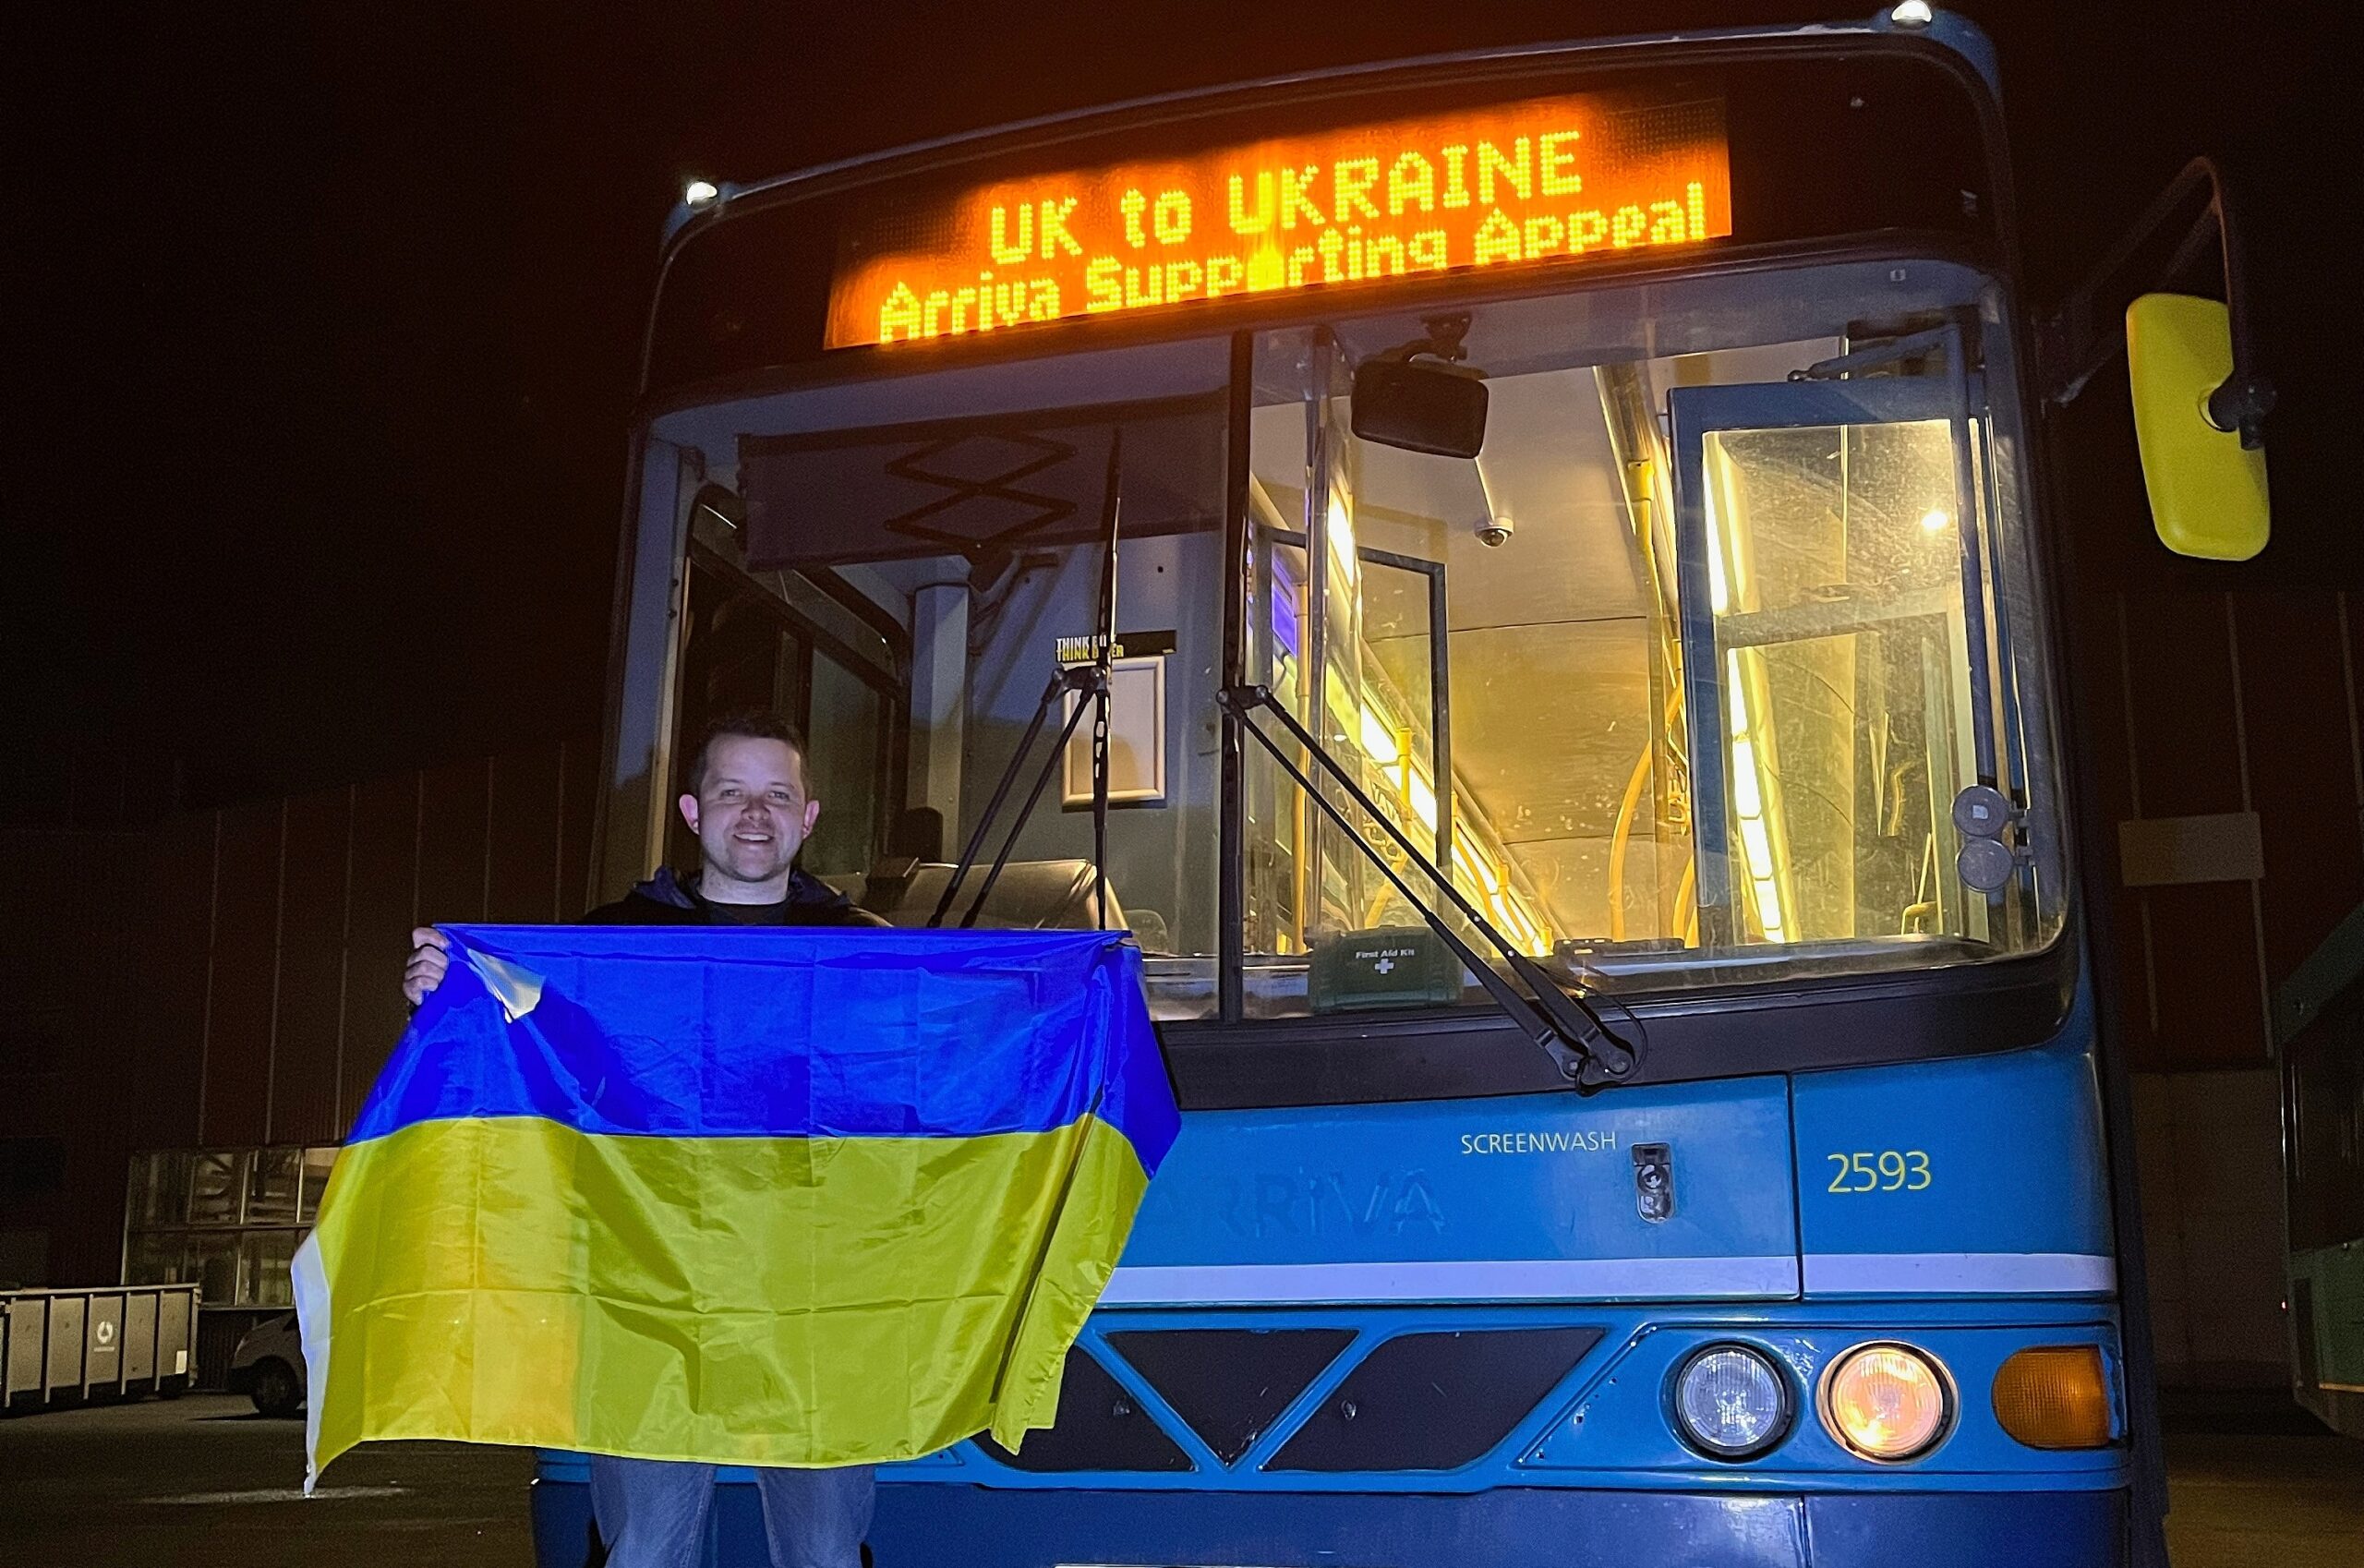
(1552, 545)
(2318, 1045)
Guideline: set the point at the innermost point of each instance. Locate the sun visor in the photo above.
(980, 486)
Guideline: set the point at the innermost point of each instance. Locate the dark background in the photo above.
(323, 321)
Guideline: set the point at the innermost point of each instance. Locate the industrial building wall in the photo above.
(233, 977)
(2232, 774)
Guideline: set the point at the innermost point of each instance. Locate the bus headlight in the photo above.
(1730, 1402)
(1887, 1402)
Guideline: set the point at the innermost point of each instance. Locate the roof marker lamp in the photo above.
(1730, 1402)
(1888, 1403)
(698, 193)
(1912, 14)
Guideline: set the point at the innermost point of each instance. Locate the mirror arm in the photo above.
(1563, 1027)
(2247, 396)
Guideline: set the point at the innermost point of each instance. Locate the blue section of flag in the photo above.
(732, 1031)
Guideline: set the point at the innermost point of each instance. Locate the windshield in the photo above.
(1698, 673)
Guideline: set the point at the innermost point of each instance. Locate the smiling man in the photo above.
(745, 798)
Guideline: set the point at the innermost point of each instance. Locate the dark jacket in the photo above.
(664, 900)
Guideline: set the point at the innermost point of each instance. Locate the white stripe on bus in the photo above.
(1561, 1279)
(1960, 1273)
(1525, 1279)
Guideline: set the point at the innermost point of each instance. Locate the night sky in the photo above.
(324, 321)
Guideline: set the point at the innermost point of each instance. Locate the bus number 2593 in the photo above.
(1890, 1170)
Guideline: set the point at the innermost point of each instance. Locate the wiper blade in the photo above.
(1588, 1054)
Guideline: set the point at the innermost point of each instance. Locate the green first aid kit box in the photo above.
(1392, 966)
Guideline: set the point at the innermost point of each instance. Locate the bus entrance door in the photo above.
(1838, 642)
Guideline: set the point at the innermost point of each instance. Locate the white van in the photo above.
(268, 1366)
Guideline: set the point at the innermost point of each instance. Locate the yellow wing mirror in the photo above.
(2199, 400)
(2207, 486)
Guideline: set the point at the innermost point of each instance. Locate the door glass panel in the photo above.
(772, 642)
(844, 772)
(967, 516)
(1834, 569)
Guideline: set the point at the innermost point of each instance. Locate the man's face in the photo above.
(749, 812)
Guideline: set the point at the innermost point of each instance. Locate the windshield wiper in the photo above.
(1588, 1054)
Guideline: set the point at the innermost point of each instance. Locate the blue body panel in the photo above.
(1329, 1192)
(2017, 1189)
(1508, 1528)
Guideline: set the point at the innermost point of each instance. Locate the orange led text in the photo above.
(1536, 182)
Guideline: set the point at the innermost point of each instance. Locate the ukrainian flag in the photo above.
(753, 1196)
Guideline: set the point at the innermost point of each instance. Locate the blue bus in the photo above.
(1553, 547)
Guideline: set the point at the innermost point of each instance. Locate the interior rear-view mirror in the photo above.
(2207, 486)
(1420, 407)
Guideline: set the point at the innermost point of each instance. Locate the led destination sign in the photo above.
(1542, 181)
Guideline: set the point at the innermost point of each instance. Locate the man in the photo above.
(747, 802)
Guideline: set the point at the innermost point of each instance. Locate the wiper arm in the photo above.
(1564, 1027)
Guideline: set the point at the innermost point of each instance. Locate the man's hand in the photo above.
(429, 957)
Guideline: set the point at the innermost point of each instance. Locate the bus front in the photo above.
(1576, 498)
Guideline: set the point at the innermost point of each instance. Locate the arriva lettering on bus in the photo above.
(1555, 1141)
(1545, 180)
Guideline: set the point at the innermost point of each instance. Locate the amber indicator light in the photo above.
(2055, 1396)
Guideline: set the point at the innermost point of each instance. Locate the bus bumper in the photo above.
(962, 1526)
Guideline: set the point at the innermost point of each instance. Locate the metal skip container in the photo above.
(65, 1347)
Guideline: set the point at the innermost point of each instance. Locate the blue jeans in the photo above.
(652, 1512)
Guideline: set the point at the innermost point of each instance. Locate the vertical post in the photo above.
(1231, 849)
(1440, 715)
(939, 696)
(1314, 630)
(1973, 587)
(1104, 659)
(1333, 614)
